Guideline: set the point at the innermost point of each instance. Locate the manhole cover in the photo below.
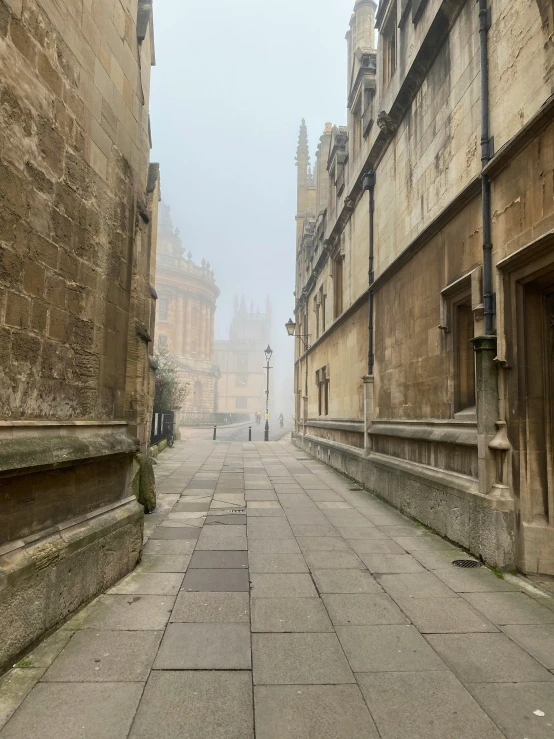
(468, 563)
(238, 510)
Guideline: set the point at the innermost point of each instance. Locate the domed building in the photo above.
(187, 296)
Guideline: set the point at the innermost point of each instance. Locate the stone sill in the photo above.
(337, 425)
(24, 453)
(446, 432)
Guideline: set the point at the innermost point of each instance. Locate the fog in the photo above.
(233, 79)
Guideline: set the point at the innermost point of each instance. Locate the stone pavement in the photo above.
(321, 613)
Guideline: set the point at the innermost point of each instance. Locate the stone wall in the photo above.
(77, 203)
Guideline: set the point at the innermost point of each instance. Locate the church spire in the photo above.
(302, 150)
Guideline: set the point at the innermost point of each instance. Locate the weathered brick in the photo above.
(75, 300)
(39, 315)
(51, 145)
(44, 251)
(55, 291)
(5, 344)
(68, 63)
(33, 278)
(25, 348)
(38, 179)
(17, 310)
(49, 75)
(11, 267)
(61, 229)
(81, 333)
(5, 16)
(58, 325)
(68, 265)
(13, 193)
(23, 42)
(8, 222)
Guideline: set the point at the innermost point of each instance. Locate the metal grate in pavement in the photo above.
(466, 563)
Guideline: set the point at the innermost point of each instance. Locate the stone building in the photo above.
(187, 296)
(425, 273)
(78, 203)
(241, 361)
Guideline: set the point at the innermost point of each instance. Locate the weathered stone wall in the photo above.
(77, 203)
(74, 162)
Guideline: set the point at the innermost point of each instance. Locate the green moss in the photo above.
(499, 575)
(24, 663)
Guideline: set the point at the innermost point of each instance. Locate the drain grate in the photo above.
(238, 510)
(466, 563)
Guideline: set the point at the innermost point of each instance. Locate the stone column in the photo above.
(179, 317)
(210, 334)
(188, 324)
(486, 392)
(368, 410)
(202, 328)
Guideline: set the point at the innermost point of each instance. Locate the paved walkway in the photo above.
(320, 614)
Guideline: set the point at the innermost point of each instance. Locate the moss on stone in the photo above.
(146, 483)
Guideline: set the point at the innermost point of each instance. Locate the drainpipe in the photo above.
(486, 154)
(369, 184)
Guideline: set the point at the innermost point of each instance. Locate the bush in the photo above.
(171, 393)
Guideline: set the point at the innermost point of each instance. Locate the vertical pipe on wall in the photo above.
(486, 153)
(369, 184)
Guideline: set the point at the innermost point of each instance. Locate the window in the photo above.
(162, 342)
(316, 311)
(322, 297)
(163, 309)
(389, 45)
(322, 381)
(463, 354)
(242, 403)
(338, 286)
(242, 380)
(242, 364)
(198, 395)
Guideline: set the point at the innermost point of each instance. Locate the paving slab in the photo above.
(183, 532)
(192, 507)
(282, 586)
(425, 543)
(235, 519)
(536, 639)
(216, 581)
(475, 580)
(325, 496)
(289, 615)
(388, 649)
(444, 616)
(359, 532)
(76, 711)
(415, 585)
(391, 563)
(318, 711)
(345, 581)
(510, 608)
(176, 547)
(105, 656)
(333, 561)
(482, 658)
(263, 504)
(303, 530)
(323, 544)
(205, 646)
(265, 513)
(129, 613)
(273, 546)
(149, 583)
(211, 608)
(375, 546)
(424, 705)
(15, 686)
(276, 563)
(299, 659)
(440, 560)
(195, 705)
(219, 560)
(225, 538)
(521, 711)
(362, 608)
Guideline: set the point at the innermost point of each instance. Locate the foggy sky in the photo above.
(233, 78)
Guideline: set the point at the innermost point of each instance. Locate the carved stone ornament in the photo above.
(386, 123)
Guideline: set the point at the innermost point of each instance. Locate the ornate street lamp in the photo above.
(268, 352)
(290, 325)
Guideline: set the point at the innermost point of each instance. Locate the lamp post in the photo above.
(268, 352)
(291, 331)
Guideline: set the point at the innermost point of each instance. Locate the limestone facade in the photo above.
(241, 361)
(444, 416)
(187, 296)
(78, 203)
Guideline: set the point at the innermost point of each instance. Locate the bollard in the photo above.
(250, 433)
(215, 432)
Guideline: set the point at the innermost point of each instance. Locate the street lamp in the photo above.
(290, 325)
(268, 352)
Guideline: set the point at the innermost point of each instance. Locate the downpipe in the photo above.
(369, 184)
(486, 155)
